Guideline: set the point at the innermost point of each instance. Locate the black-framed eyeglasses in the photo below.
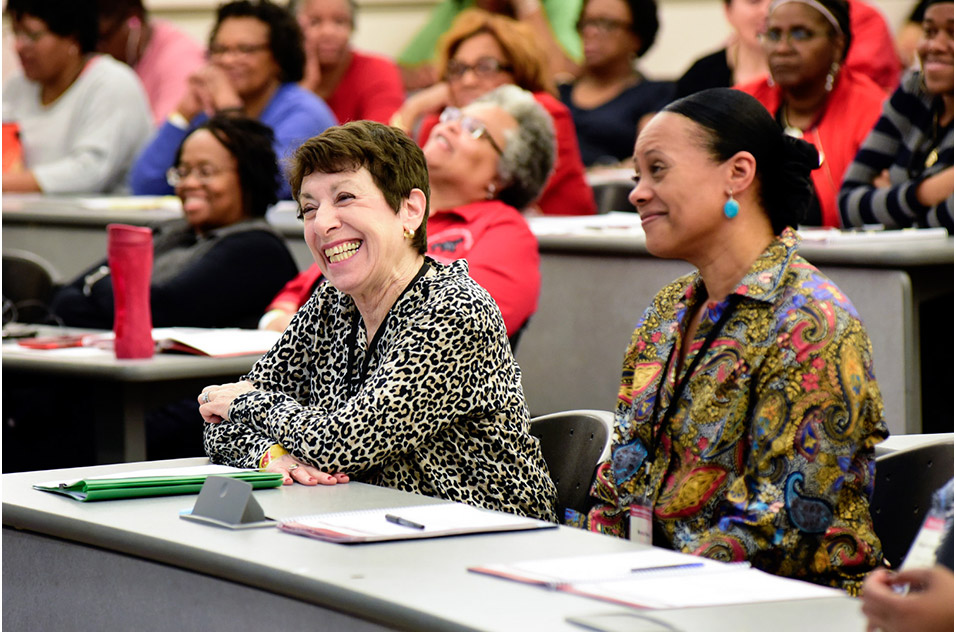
(484, 67)
(475, 127)
(602, 25)
(217, 50)
(204, 172)
(797, 34)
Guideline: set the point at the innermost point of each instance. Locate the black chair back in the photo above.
(905, 483)
(572, 442)
(28, 285)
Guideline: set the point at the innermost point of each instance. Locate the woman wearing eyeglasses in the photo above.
(485, 161)
(610, 98)
(903, 173)
(813, 96)
(481, 52)
(255, 59)
(79, 117)
(222, 263)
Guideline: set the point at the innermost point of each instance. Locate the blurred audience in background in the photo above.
(611, 96)
(743, 59)
(813, 95)
(481, 52)
(354, 84)
(552, 22)
(903, 174)
(162, 55)
(255, 63)
(75, 118)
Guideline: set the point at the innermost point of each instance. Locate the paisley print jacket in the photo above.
(434, 407)
(767, 455)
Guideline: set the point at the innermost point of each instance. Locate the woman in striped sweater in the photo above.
(903, 174)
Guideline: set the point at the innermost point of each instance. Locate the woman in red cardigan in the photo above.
(812, 95)
(480, 52)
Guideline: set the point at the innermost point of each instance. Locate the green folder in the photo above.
(88, 490)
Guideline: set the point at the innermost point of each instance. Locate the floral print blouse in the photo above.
(767, 453)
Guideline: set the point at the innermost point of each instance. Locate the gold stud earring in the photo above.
(408, 233)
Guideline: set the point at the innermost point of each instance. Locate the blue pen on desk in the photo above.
(403, 522)
(561, 584)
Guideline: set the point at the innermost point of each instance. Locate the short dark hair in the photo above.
(250, 143)
(644, 23)
(78, 19)
(285, 36)
(395, 162)
(120, 8)
(734, 121)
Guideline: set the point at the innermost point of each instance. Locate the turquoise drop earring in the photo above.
(731, 207)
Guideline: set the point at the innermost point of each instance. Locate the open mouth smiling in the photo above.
(342, 251)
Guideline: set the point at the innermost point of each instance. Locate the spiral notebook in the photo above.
(407, 523)
(657, 578)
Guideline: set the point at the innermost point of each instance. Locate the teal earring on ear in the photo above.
(731, 207)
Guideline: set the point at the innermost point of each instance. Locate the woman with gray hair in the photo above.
(485, 161)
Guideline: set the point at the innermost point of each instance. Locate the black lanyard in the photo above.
(732, 302)
(355, 382)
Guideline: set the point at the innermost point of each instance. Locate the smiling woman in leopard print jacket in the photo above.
(398, 371)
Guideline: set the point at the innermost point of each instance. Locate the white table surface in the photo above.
(413, 585)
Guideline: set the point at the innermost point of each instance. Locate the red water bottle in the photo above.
(130, 255)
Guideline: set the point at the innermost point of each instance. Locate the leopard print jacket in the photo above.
(440, 410)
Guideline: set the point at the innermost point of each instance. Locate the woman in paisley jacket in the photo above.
(397, 371)
(747, 411)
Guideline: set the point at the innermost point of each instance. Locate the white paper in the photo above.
(660, 578)
(439, 518)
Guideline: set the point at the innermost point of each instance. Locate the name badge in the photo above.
(922, 553)
(641, 527)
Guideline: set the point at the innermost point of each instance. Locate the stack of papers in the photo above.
(658, 578)
(407, 523)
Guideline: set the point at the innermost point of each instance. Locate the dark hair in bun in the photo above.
(734, 121)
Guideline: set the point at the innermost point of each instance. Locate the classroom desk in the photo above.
(70, 232)
(596, 284)
(122, 390)
(134, 564)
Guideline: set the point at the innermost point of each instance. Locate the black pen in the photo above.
(403, 522)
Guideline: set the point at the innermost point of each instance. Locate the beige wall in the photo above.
(689, 28)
